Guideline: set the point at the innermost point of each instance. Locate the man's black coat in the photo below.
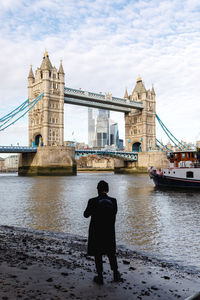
(103, 210)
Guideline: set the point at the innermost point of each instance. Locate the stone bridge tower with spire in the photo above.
(140, 129)
(46, 118)
(46, 125)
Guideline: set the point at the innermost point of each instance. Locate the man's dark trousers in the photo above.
(99, 262)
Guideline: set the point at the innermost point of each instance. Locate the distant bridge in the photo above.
(128, 156)
(84, 98)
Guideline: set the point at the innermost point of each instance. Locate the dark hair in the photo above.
(102, 186)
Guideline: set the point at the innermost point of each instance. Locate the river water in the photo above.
(164, 223)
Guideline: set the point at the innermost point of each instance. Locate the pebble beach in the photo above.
(51, 265)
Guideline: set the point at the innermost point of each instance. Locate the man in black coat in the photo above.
(101, 240)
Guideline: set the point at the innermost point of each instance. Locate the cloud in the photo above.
(105, 45)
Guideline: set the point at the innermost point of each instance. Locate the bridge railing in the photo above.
(133, 156)
(17, 149)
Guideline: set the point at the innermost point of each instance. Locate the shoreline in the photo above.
(45, 265)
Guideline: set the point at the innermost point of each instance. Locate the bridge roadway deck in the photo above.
(17, 149)
(84, 98)
(133, 156)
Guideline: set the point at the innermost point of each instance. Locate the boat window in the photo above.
(174, 172)
(169, 172)
(175, 155)
(183, 155)
(189, 174)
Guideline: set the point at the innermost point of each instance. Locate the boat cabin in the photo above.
(182, 158)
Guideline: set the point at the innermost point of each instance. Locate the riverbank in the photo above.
(46, 265)
(94, 170)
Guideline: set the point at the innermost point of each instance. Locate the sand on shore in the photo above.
(46, 265)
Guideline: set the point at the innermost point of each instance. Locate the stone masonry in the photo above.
(140, 129)
(46, 117)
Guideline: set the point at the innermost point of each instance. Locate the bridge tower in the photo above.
(46, 118)
(140, 129)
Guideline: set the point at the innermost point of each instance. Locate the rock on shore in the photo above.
(47, 265)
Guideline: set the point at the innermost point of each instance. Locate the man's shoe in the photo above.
(117, 276)
(98, 279)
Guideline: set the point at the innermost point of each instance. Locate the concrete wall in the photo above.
(49, 160)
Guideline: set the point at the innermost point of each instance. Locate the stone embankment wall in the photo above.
(95, 163)
(48, 160)
(145, 159)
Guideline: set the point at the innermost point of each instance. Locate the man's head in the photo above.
(102, 187)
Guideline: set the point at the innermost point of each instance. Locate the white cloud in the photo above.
(105, 45)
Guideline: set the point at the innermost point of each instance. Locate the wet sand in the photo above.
(47, 265)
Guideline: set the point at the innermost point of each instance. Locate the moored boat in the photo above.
(183, 172)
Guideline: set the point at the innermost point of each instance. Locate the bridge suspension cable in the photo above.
(24, 108)
(170, 135)
(167, 149)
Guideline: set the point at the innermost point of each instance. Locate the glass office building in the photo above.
(102, 131)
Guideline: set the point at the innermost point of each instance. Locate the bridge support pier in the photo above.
(48, 161)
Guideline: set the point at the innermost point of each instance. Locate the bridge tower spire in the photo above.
(46, 118)
(140, 129)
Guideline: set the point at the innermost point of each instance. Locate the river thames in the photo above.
(161, 223)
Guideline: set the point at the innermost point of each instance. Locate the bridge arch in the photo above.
(136, 147)
(38, 140)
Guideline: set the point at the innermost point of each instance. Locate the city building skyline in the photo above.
(102, 131)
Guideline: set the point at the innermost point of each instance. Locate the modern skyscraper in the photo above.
(102, 130)
(114, 134)
(92, 119)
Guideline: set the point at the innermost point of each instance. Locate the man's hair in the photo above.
(102, 186)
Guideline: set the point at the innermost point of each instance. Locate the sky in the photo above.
(104, 46)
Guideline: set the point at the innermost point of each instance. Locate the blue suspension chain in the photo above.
(168, 135)
(162, 145)
(8, 118)
(30, 105)
(20, 109)
(12, 112)
(167, 131)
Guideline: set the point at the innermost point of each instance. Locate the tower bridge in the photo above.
(46, 119)
(47, 95)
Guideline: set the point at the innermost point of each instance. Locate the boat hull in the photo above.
(167, 181)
